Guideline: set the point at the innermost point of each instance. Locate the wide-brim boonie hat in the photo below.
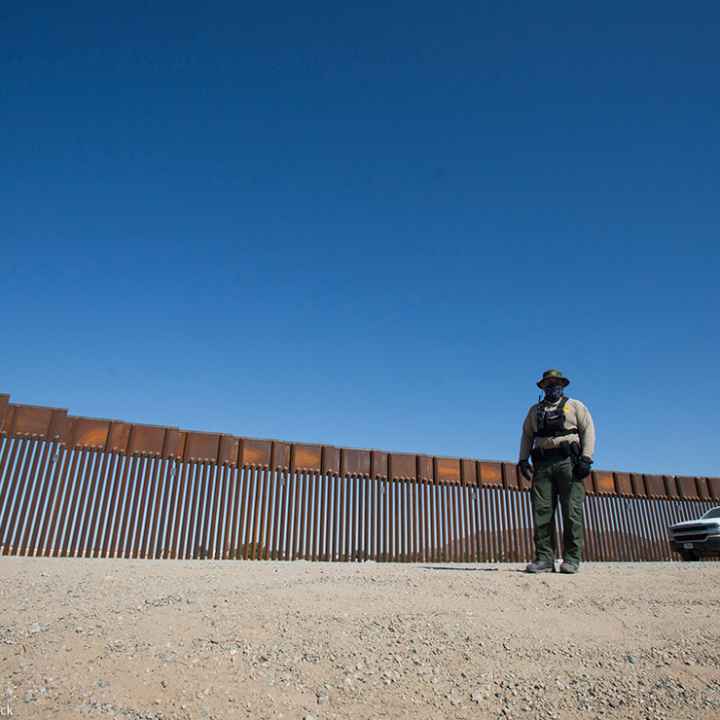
(552, 374)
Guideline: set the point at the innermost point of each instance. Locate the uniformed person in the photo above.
(559, 435)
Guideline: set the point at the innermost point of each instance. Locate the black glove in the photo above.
(525, 470)
(582, 467)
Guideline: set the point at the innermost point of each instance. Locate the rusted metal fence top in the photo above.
(55, 424)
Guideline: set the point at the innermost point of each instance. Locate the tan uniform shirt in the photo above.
(577, 417)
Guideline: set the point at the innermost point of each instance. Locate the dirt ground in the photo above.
(160, 639)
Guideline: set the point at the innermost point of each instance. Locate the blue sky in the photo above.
(370, 226)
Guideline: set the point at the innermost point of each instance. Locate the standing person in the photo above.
(559, 435)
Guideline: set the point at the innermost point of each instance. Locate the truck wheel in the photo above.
(689, 555)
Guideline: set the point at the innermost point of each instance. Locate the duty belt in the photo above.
(555, 453)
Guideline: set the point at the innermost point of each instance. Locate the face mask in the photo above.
(553, 393)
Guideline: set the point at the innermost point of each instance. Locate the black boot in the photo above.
(539, 566)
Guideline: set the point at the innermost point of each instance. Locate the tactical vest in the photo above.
(551, 423)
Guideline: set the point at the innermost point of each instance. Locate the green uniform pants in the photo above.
(553, 481)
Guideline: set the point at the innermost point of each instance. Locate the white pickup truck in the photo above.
(695, 538)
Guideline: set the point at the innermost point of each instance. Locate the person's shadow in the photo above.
(472, 569)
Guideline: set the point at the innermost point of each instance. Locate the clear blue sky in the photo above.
(371, 227)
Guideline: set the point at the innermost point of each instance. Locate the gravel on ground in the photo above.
(166, 639)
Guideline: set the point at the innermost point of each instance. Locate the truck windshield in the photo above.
(714, 513)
